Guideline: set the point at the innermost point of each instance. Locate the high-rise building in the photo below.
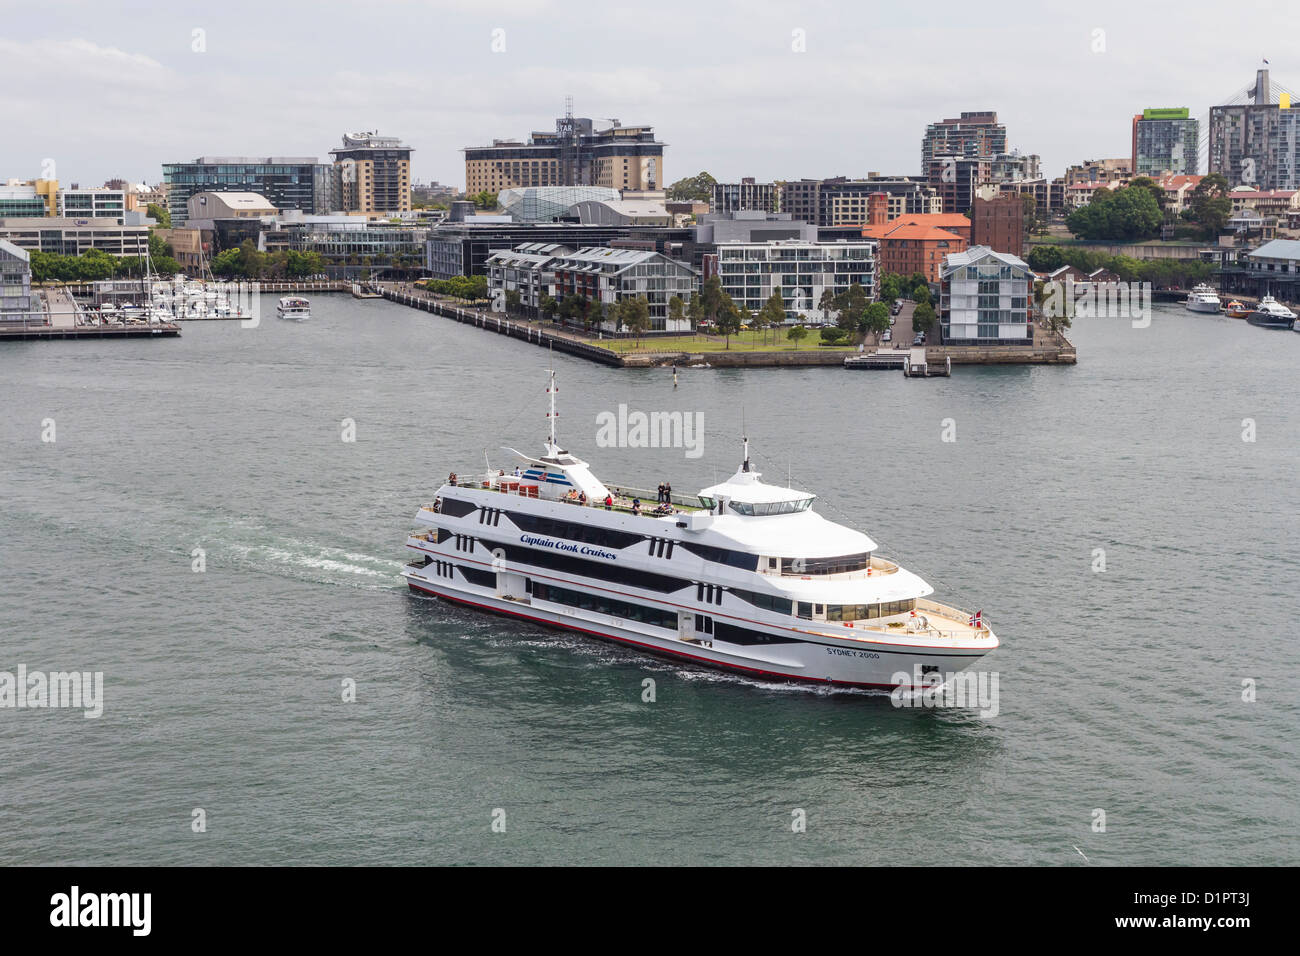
(1256, 144)
(1165, 140)
(289, 182)
(974, 135)
(747, 195)
(576, 154)
(372, 173)
(847, 202)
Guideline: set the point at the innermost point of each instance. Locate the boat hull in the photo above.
(871, 665)
(1265, 321)
(1210, 307)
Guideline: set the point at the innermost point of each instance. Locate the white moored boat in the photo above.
(1203, 298)
(746, 576)
(293, 307)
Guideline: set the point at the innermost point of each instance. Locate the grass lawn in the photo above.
(744, 342)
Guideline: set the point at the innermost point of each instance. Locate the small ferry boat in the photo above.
(1271, 314)
(293, 307)
(1236, 310)
(1203, 298)
(744, 576)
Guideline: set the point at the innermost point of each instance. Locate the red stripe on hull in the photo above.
(651, 648)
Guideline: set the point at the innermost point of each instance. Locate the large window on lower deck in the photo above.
(863, 612)
(835, 565)
(604, 605)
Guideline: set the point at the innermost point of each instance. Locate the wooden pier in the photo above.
(914, 363)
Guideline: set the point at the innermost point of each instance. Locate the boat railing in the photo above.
(622, 495)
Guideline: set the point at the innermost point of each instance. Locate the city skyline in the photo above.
(149, 89)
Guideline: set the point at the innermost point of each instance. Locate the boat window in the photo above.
(762, 509)
(735, 559)
(605, 605)
(835, 565)
(805, 610)
(554, 528)
(768, 602)
(570, 564)
(865, 612)
(706, 502)
(734, 634)
(457, 508)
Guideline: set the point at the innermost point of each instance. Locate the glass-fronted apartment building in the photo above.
(984, 298)
(92, 203)
(289, 182)
(751, 272)
(611, 275)
(1165, 140)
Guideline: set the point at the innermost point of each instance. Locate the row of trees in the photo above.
(469, 288)
(96, 264)
(248, 262)
(1161, 273)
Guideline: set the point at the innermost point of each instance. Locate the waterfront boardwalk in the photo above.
(1049, 348)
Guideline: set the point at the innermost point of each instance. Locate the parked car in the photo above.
(919, 340)
(887, 337)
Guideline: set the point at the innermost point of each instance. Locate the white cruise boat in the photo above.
(1203, 298)
(746, 576)
(293, 307)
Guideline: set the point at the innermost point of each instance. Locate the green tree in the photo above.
(826, 303)
(729, 318)
(797, 334)
(891, 287)
(676, 309)
(772, 315)
(851, 305)
(1210, 205)
(513, 301)
(1117, 215)
(924, 319)
(636, 315)
(161, 214)
(698, 188)
(549, 307)
(921, 294)
(1045, 258)
(876, 319)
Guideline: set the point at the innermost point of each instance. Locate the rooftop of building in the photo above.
(978, 254)
(250, 161)
(9, 249)
(1279, 249)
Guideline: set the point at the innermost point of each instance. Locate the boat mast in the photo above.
(744, 441)
(551, 391)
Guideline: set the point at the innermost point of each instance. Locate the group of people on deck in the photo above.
(665, 493)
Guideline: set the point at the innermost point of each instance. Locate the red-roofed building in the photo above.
(908, 247)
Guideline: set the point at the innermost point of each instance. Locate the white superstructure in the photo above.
(746, 576)
(293, 307)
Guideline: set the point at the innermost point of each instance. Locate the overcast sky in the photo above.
(115, 90)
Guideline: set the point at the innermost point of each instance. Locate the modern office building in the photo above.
(29, 198)
(462, 248)
(1014, 167)
(622, 212)
(349, 240)
(999, 224)
(576, 154)
(1165, 140)
(610, 275)
(985, 298)
(289, 182)
(93, 204)
(15, 283)
(72, 237)
(751, 271)
(372, 174)
(747, 195)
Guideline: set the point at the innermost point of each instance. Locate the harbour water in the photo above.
(1121, 689)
